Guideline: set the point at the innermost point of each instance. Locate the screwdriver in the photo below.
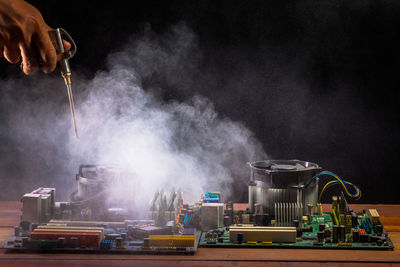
(63, 56)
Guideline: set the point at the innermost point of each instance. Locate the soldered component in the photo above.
(70, 229)
(227, 220)
(342, 219)
(345, 244)
(310, 211)
(354, 221)
(270, 234)
(335, 219)
(172, 240)
(334, 203)
(319, 208)
(304, 219)
(379, 229)
(342, 233)
(212, 216)
(364, 238)
(328, 232)
(245, 218)
(212, 197)
(320, 237)
(38, 205)
(84, 239)
(356, 235)
(86, 223)
(348, 224)
(335, 234)
(373, 215)
(118, 242)
(106, 244)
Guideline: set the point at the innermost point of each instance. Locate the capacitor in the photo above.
(356, 236)
(354, 221)
(24, 242)
(342, 235)
(320, 237)
(328, 232)
(319, 208)
(341, 219)
(74, 242)
(364, 238)
(25, 225)
(348, 224)
(61, 242)
(296, 223)
(299, 232)
(214, 236)
(237, 219)
(227, 220)
(321, 227)
(309, 212)
(379, 229)
(118, 242)
(239, 238)
(17, 230)
(335, 234)
(245, 218)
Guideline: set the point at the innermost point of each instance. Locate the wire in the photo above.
(337, 180)
(334, 182)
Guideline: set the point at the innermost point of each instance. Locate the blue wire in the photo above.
(336, 177)
(347, 183)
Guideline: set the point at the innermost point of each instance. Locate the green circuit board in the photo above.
(308, 239)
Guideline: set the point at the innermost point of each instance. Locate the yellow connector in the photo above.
(172, 240)
(373, 216)
(266, 242)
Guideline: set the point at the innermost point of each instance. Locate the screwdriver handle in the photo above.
(57, 37)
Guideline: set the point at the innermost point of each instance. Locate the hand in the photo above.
(23, 33)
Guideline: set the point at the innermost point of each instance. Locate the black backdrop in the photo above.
(320, 82)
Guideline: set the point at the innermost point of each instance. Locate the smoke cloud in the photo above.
(125, 119)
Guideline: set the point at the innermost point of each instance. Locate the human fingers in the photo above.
(67, 45)
(46, 50)
(29, 59)
(11, 52)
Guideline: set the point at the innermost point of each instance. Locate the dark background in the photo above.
(314, 80)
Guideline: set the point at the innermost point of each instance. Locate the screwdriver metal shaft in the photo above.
(65, 70)
(72, 108)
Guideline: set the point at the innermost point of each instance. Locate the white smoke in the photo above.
(166, 144)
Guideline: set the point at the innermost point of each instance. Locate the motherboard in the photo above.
(284, 211)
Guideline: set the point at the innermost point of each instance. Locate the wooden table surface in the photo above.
(390, 217)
